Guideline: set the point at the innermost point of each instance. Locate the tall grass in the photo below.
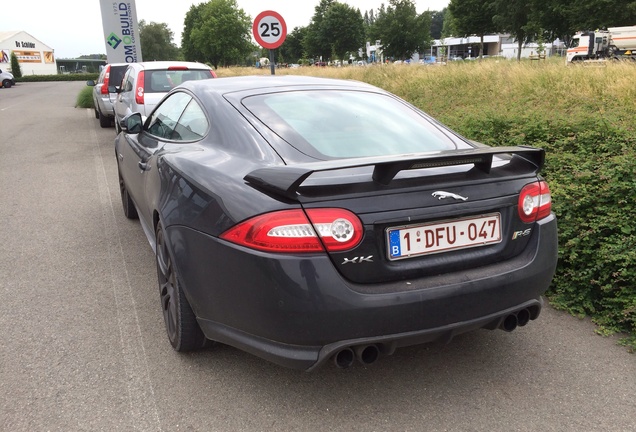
(85, 98)
(545, 91)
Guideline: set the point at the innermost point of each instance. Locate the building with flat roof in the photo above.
(34, 56)
(502, 45)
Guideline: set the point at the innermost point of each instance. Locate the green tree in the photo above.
(474, 17)
(555, 19)
(292, 49)
(448, 28)
(437, 23)
(374, 31)
(217, 32)
(15, 66)
(156, 42)
(316, 41)
(93, 56)
(193, 20)
(563, 19)
(345, 27)
(401, 30)
(593, 14)
(516, 18)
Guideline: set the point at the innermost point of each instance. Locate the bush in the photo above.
(590, 167)
(59, 77)
(592, 174)
(85, 98)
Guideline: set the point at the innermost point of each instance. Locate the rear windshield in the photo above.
(162, 81)
(116, 75)
(341, 124)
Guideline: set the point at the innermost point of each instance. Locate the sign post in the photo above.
(269, 30)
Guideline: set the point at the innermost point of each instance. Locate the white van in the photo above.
(6, 79)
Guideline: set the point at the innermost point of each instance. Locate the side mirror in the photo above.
(132, 124)
(90, 83)
(113, 89)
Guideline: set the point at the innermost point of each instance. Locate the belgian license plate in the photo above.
(437, 237)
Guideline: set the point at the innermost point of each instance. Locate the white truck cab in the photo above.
(613, 43)
(6, 79)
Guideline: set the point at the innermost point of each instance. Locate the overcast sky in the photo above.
(74, 27)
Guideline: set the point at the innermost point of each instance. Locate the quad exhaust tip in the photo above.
(365, 354)
(344, 358)
(368, 354)
(518, 319)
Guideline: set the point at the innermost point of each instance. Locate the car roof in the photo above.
(254, 83)
(159, 65)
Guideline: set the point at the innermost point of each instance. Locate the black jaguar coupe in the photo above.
(305, 220)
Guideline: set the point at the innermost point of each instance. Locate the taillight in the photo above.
(104, 89)
(140, 90)
(535, 202)
(293, 231)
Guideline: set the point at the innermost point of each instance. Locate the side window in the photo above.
(192, 125)
(126, 82)
(164, 119)
(102, 75)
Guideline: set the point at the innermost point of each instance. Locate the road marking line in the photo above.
(143, 407)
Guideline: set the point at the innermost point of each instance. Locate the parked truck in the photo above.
(613, 43)
(6, 79)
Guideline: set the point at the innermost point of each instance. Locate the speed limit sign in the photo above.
(269, 29)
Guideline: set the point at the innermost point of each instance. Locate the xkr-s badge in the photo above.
(519, 234)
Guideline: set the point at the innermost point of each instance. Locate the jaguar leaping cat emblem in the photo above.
(440, 195)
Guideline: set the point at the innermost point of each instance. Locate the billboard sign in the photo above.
(28, 56)
(121, 33)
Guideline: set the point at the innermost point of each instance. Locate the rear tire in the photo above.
(126, 201)
(96, 113)
(182, 327)
(104, 121)
(6, 83)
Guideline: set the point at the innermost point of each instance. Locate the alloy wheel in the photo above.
(167, 287)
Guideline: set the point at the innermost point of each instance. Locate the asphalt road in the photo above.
(83, 345)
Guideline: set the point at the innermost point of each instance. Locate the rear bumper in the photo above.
(311, 357)
(106, 106)
(298, 311)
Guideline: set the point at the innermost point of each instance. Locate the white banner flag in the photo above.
(121, 32)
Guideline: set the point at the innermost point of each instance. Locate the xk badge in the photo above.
(358, 260)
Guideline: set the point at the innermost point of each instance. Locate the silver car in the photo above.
(105, 92)
(145, 84)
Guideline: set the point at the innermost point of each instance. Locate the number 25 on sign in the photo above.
(269, 29)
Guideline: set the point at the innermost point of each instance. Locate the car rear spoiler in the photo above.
(285, 180)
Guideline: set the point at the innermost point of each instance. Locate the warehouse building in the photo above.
(501, 45)
(35, 57)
